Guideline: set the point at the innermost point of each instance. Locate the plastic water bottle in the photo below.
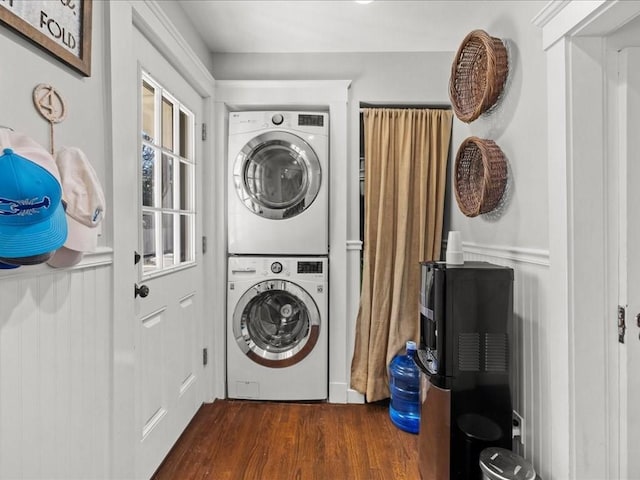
(404, 384)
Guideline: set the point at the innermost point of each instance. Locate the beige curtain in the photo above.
(405, 173)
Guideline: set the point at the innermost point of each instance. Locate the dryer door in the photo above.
(277, 175)
(276, 323)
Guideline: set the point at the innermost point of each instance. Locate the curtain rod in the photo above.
(432, 107)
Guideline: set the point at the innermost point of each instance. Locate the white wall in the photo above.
(518, 126)
(85, 125)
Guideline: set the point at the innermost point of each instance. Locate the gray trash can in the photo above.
(501, 464)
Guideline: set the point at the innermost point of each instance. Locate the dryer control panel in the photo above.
(314, 123)
(309, 267)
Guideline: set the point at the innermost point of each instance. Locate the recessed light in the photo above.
(363, 2)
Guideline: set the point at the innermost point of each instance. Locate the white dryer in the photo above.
(277, 195)
(277, 328)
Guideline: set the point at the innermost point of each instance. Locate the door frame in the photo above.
(149, 18)
(583, 245)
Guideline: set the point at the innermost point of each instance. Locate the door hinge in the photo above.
(205, 357)
(204, 131)
(622, 326)
(204, 244)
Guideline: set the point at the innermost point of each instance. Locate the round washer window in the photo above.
(277, 175)
(276, 323)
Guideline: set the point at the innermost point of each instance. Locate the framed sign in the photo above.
(61, 27)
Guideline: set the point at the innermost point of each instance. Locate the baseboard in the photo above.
(337, 392)
(354, 396)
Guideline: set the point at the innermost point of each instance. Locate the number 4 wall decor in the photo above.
(61, 27)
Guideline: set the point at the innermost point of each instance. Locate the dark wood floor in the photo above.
(233, 439)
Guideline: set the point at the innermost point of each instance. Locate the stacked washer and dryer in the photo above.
(278, 243)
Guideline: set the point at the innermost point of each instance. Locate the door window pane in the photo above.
(185, 135)
(150, 259)
(186, 179)
(148, 175)
(186, 238)
(167, 239)
(148, 110)
(167, 124)
(167, 181)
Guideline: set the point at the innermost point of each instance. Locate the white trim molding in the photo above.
(354, 245)
(516, 254)
(154, 22)
(101, 257)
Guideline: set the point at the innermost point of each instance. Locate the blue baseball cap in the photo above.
(32, 218)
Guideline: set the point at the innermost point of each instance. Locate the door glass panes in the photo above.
(186, 177)
(186, 238)
(167, 124)
(148, 110)
(149, 241)
(167, 239)
(185, 134)
(148, 171)
(167, 180)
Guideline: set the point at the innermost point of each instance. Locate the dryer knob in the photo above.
(277, 119)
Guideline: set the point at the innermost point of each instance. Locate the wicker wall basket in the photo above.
(478, 74)
(480, 176)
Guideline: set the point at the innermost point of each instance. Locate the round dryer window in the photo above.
(277, 175)
(276, 323)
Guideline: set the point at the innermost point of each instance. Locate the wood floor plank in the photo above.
(251, 440)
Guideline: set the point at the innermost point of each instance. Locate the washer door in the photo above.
(277, 175)
(276, 323)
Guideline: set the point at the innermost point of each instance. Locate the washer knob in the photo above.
(277, 119)
(276, 267)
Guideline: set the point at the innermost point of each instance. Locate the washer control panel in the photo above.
(259, 268)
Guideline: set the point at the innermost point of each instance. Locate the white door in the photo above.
(629, 265)
(168, 345)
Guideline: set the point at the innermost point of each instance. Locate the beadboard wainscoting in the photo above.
(55, 370)
(531, 357)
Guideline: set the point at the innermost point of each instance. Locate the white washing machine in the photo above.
(278, 177)
(277, 328)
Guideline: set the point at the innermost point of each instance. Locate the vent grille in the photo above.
(310, 120)
(496, 352)
(469, 352)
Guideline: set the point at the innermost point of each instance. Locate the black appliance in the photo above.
(466, 316)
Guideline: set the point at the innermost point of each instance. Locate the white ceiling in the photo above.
(302, 26)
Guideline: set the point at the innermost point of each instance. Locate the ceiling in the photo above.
(305, 26)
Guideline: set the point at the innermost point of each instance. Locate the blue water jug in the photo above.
(404, 385)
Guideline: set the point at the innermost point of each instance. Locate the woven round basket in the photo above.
(478, 73)
(480, 176)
